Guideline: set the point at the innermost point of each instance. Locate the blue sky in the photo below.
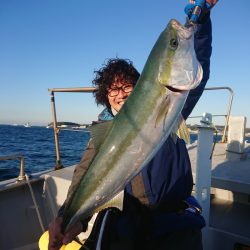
(58, 43)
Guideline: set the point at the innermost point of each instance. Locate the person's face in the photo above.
(118, 93)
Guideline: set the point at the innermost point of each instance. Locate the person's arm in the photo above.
(56, 237)
(203, 49)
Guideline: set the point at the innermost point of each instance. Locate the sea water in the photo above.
(37, 145)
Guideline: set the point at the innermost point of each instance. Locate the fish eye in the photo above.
(174, 43)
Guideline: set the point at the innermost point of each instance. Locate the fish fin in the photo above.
(163, 111)
(117, 202)
(182, 130)
(99, 132)
(174, 137)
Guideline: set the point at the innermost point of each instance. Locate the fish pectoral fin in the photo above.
(117, 202)
(163, 111)
(174, 137)
(99, 132)
(181, 131)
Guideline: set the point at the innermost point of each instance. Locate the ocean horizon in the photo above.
(37, 145)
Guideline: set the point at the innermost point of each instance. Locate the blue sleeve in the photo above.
(203, 49)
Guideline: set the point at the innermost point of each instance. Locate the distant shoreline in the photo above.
(195, 132)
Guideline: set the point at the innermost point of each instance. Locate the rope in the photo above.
(35, 203)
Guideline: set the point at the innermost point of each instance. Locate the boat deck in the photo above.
(233, 175)
(230, 198)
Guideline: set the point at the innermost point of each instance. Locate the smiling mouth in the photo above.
(121, 103)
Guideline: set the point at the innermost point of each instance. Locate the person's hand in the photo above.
(55, 234)
(57, 238)
(211, 2)
(198, 15)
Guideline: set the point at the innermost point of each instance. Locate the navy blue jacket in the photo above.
(167, 178)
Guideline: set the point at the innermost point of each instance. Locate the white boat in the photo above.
(222, 186)
(27, 125)
(65, 125)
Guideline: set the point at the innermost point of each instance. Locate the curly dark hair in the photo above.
(104, 77)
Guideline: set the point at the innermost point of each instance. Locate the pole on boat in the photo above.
(56, 131)
(21, 176)
(224, 137)
(203, 170)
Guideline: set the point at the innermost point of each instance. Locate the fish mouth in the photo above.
(176, 90)
(185, 33)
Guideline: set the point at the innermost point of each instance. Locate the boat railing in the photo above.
(21, 176)
(53, 106)
(227, 115)
(92, 89)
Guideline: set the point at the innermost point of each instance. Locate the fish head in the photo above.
(179, 68)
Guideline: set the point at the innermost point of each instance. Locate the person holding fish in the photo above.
(158, 211)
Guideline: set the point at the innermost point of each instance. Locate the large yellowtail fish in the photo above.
(125, 144)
